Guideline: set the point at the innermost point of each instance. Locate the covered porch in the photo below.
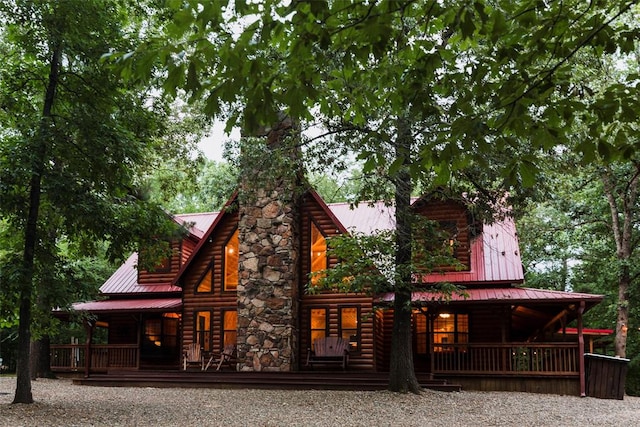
(507, 338)
(141, 333)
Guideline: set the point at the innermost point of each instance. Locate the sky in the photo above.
(213, 145)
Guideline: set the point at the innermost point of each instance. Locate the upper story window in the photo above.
(205, 284)
(231, 250)
(441, 245)
(317, 252)
(155, 260)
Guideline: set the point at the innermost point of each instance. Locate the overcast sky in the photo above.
(213, 145)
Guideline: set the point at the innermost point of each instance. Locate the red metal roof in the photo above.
(587, 331)
(201, 222)
(495, 256)
(159, 304)
(366, 217)
(513, 295)
(125, 281)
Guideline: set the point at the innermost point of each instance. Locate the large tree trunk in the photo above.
(622, 205)
(23, 371)
(620, 342)
(402, 376)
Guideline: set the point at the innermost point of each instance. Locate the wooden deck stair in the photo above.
(329, 380)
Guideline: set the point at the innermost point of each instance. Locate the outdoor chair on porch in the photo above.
(329, 350)
(223, 358)
(193, 356)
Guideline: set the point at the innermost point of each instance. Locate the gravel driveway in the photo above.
(60, 403)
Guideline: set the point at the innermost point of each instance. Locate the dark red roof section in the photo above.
(513, 295)
(149, 304)
(495, 254)
(125, 281)
(587, 331)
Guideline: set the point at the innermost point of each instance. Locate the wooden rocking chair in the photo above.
(193, 356)
(223, 358)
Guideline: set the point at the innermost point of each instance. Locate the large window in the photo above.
(317, 253)
(202, 329)
(229, 327)
(319, 323)
(231, 263)
(350, 326)
(450, 328)
(161, 333)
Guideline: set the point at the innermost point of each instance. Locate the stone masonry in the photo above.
(268, 272)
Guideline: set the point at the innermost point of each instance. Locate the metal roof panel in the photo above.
(129, 305)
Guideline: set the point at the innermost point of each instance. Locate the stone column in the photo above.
(268, 261)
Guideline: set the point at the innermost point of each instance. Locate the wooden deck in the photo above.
(327, 380)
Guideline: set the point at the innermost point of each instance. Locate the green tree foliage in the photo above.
(75, 140)
(204, 189)
(420, 91)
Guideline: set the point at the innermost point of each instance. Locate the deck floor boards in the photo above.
(327, 380)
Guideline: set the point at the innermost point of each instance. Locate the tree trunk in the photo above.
(622, 233)
(23, 371)
(620, 341)
(402, 376)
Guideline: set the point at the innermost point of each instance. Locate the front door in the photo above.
(159, 340)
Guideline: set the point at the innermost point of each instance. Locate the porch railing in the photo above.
(546, 359)
(507, 359)
(72, 357)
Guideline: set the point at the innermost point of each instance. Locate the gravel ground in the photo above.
(60, 403)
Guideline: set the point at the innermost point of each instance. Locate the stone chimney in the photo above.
(269, 251)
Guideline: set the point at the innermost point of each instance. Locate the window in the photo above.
(153, 331)
(170, 329)
(155, 259)
(161, 333)
(350, 326)
(317, 253)
(443, 237)
(202, 329)
(231, 263)
(448, 329)
(420, 325)
(229, 327)
(205, 283)
(318, 323)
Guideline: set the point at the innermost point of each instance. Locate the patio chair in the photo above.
(193, 356)
(223, 358)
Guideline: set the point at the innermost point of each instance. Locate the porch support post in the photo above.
(432, 362)
(88, 326)
(583, 388)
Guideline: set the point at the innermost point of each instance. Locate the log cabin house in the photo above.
(239, 277)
